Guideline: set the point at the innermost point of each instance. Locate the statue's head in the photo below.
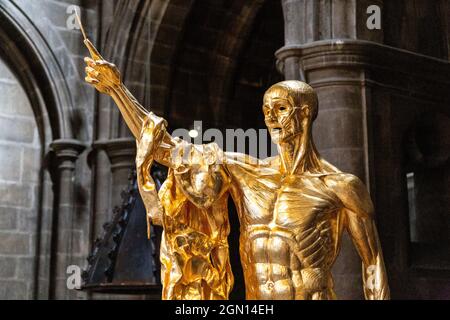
(289, 107)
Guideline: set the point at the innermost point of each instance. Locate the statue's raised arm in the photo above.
(191, 205)
(153, 140)
(105, 77)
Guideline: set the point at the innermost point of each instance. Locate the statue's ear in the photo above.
(306, 110)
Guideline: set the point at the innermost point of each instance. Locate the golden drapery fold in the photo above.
(191, 206)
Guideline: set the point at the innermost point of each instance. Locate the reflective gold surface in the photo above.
(292, 208)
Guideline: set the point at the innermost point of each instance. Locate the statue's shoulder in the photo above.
(344, 183)
(343, 180)
(351, 191)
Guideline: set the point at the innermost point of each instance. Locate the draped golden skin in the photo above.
(293, 208)
(194, 249)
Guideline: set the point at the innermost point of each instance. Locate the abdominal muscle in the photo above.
(275, 273)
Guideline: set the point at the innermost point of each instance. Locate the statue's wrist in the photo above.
(117, 88)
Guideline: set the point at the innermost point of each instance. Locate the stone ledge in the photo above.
(386, 66)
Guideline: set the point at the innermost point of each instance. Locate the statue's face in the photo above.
(282, 117)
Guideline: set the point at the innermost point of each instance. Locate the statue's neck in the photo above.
(299, 155)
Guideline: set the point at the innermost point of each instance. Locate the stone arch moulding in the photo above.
(124, 44)
(33, 61)
(131, 52)
(168, 20)
(227, 51)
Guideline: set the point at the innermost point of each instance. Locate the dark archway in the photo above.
(216, 70)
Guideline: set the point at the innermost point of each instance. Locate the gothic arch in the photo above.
(168, 22)
(31, 58)
(207, 59)
(35, 66)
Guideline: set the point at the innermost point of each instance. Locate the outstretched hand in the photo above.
(103, 75)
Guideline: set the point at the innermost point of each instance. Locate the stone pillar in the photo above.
(111, 180)
(121, 153)
(66, 154)
(101, 191)
(318, 37)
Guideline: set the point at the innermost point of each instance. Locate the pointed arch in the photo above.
(37, 68)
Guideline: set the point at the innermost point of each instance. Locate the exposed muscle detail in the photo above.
(289, 232)
(292, 208)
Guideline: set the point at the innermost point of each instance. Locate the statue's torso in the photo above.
(290, 230)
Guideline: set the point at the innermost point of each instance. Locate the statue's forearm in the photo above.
(135, 115)
(374, 273)
(375, 280)
(132, 111)
(360, 222)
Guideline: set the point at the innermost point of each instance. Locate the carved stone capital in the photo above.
(121, 152)
(66, 152)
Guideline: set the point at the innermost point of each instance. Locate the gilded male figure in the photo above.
(292, 208)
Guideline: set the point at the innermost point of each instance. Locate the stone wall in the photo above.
(20, 154)
(29, 267)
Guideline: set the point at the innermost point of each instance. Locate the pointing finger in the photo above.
(92, 50)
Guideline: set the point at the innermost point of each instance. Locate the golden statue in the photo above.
(292, 208)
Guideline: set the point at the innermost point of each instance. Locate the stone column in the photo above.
(121, 153)
(322, 48)
(66, 154)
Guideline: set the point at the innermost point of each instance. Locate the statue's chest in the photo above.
(304, 201)
(293, 202)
